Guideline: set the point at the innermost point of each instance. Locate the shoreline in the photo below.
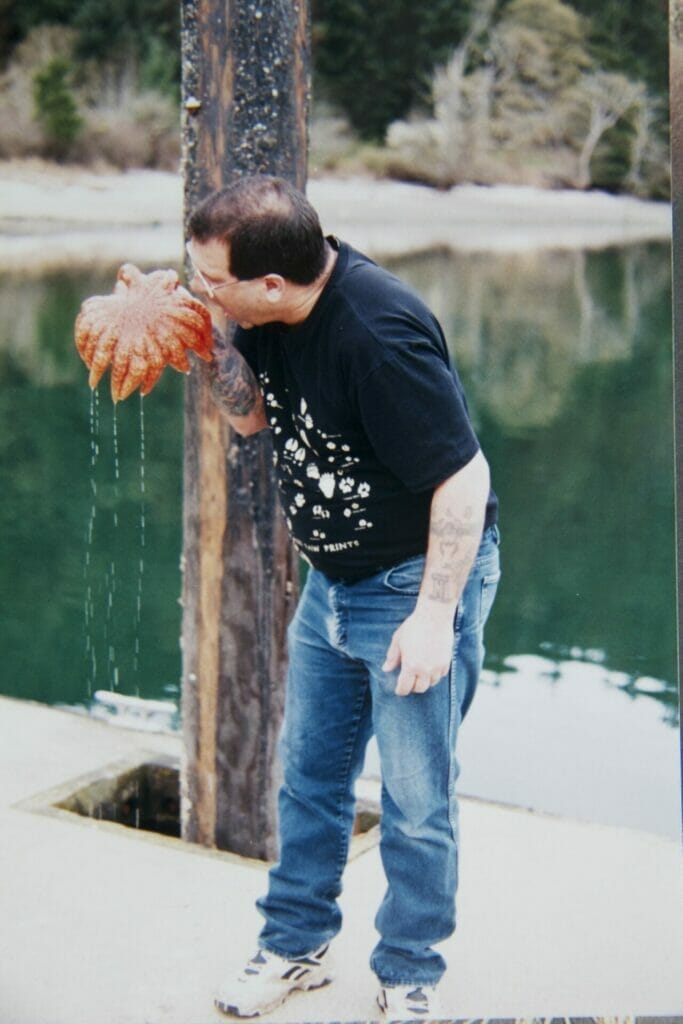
(54, 217)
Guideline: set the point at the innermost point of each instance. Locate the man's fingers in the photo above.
(410, 681)
(393, 657)
(405, 682)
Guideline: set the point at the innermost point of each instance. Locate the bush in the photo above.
(144, 132)
(101, 117)
(21, 134)
(528, 107)
(56, 109)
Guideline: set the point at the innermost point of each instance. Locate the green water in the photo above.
(48, 483)
(566, 358)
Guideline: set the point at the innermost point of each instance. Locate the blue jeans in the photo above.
(337, 696)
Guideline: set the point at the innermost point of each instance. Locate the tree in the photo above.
(132, 38)
(501, 102)
(631, 36)
(604, 98)
(56, 107)
(648, 153)
(374, 59)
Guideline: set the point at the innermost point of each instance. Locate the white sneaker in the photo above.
(408, 1002)
(268, 979)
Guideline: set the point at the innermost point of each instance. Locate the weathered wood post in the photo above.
(676, 107)
(245, 98)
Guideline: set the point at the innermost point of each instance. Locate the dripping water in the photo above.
(110, 577)
(141, 561)
(106, 578)
(89, 604)
(117, 473)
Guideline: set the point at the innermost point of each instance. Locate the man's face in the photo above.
(244, 302)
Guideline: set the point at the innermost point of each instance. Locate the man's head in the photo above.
(257, 249)
(268, 227)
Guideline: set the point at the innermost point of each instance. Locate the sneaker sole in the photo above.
(234, 1011)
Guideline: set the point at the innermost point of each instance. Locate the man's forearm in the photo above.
(235, 388)
(455, 529)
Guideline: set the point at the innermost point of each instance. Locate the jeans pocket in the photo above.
(406, 577)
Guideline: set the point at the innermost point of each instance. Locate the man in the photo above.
(386, 494)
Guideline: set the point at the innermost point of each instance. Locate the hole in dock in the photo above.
(147, 797)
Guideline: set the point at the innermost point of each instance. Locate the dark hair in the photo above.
(269, 226)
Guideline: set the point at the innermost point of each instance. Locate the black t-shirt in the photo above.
(367, 418)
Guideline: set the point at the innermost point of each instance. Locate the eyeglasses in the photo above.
(209, 288)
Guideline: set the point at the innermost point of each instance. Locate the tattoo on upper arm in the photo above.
(233, 384)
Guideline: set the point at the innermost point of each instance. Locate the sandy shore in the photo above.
(55, 216)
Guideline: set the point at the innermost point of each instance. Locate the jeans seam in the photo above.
(344, 782)
(452, 736)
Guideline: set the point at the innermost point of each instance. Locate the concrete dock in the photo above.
(103, 924)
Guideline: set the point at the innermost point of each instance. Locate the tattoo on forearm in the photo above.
(233, 384)
(441, 587)
(451, 536)
(453, 539)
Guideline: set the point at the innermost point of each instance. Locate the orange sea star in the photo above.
(149, 321)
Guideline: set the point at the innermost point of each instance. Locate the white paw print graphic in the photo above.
(346, 485)
(319, 535)
(312, 471)
(363, 490)
(327, 484)
(299, 500)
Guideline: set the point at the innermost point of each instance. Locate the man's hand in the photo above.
(423, 644)
(423, 647)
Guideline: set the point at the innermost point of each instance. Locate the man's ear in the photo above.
(275, 287)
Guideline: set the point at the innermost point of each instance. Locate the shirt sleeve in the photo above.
(414, 413)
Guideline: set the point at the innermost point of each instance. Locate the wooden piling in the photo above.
(246, 71)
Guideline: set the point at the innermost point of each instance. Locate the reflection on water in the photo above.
(566, 358)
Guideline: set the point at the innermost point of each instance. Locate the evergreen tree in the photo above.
(56, 108)
(374, 58)
(631, 36)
